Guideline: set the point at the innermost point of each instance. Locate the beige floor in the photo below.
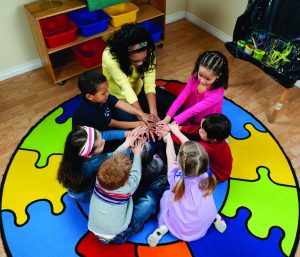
(25, 99)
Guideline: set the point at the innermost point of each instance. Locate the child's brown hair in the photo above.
(114, 172)
(193, 161)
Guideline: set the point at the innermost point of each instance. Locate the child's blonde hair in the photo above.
(114, 171)
(193, 161)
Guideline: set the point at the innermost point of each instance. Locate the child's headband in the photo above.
(137, 46)
(89, 143)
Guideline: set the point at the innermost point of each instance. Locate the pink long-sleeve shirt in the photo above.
(196, 105)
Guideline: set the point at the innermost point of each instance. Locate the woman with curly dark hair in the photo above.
(129, 64)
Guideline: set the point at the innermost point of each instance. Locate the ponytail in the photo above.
(193, 161)
(208, 185)
(178, 190)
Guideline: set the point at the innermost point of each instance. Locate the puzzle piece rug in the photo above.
(260, 201)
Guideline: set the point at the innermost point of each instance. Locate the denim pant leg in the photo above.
(144, 208)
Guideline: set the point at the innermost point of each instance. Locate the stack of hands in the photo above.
(150, 129)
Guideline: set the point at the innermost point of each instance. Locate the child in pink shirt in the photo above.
(204, 91)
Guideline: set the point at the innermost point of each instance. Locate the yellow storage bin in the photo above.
(122, 13)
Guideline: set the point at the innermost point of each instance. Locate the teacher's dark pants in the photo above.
(164, 99)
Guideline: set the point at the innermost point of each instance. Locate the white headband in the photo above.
(137, 46)
(89, 143)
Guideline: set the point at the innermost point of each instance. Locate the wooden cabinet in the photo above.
(59, 62)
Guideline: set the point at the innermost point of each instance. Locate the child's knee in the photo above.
(149, 202)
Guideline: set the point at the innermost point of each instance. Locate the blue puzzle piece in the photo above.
(239, 119)
(220, 193)
(237, 241)
(45, 231)
(69, 108)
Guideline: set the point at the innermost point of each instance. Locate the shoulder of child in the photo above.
(112, 100)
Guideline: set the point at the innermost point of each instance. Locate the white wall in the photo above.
(17, 45)
(175, 6)
(220, 14)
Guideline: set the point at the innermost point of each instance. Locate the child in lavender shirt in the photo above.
(204, 91)
(187, 209)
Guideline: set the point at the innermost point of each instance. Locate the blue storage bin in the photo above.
(155, 30)
(90, 23)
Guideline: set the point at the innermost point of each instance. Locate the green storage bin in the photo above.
(94, 5)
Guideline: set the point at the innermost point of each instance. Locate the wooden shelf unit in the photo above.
(148, 10)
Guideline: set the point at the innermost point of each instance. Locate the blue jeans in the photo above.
(144, 208)
(82, 197)
(90, 167)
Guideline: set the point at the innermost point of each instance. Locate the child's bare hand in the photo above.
(138, 146)
(151, 131)
(162, 130)
(155, 118)
(161, 123)
(141, 130)
(174, 128)
(132, 136)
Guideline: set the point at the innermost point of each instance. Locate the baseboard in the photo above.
(20, 69)
(207, 27)
(175, 17)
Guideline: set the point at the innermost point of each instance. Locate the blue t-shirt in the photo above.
(94, 115)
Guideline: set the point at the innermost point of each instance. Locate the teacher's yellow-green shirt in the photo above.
(125, 87)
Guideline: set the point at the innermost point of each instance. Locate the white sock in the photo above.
(155, 237)
(220, 224)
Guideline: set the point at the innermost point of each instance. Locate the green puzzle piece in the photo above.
(270, 205)
(48, 137)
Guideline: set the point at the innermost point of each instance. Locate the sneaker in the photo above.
(220, 224)
(155, 237)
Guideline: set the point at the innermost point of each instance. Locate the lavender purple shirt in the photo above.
(189, 218)
(196, 105)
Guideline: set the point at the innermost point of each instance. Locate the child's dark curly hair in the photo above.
(89, 81)
(129, 35)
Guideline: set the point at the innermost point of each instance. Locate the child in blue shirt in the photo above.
(82, 157)
(97, 106)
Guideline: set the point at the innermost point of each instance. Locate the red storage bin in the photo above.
(58, 30)
(90, 53)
